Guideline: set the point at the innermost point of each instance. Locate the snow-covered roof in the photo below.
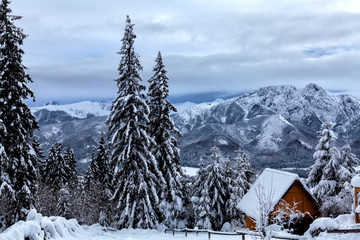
(269, 187)
(355, 181)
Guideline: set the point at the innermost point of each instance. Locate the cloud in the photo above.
(210, 46)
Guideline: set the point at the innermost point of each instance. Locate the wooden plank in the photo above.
(356, 230)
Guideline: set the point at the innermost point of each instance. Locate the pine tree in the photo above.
(200, 199)
(99, 171)
(348, 159)
(63, 207)
(70, 162)
(214, 194)
(57, 170)
(98, 185)
(324, 151)
(7, 193)
(327, 176)
(166, 150)
(37, 148)
(16, 115)
(136, 173)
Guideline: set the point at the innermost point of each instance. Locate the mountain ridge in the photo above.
(276, 125)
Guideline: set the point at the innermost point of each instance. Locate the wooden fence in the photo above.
(237, 233)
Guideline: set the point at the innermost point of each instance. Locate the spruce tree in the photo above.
(213, 194)
(166, 150)
(136, 172)
(63, 206)
(327, 176)
(200, 199)
(70, 162)
(7, 193)
(57, 171)
(348, 159)
(98, 185)
(324, 151)
(16, 115)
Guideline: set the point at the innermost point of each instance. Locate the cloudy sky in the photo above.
(211, 48)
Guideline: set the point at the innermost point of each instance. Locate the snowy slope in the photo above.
(80, 109)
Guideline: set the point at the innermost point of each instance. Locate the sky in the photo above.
(211, 48)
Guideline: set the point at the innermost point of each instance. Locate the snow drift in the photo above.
(37, 227)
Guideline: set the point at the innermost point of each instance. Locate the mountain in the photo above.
(277, 125)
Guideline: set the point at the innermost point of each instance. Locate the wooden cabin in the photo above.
(274, 187)
(355, 182)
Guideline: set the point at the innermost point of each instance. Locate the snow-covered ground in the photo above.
(96, 232)
(37, 227)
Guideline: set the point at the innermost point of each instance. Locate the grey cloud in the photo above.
(208, 46)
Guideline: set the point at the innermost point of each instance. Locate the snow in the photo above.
(357, 209)
(36, 227)
(184, 106)
(80, 109)
(190, 171)
(322, 224)
(272, 183)
(355, 181)
(223, 142)
(272, 131)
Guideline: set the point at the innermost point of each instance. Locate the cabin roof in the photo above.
(271, 185)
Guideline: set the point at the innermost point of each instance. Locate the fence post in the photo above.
(243, 237)
(185, 232)
(173, 232)
(209, 235)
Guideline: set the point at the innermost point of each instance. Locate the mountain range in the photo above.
(277, 126)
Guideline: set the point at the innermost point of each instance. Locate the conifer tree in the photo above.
(348, 159)
(200, 199)
(98, 184)
(166, 150)
(136, 173)
(63, 207)
(37, 148)
(7, 193)
(327, 176)
(214, 194)
(16, 115)
(70, 162)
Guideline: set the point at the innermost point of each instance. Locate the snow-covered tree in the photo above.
(57, 170)
(166, 150)
(99, 171)
(37, 148)
(7, 193)
(348, 159)
(70, 162)
(213, 194)
(63, 207)
(136, 172)
(98, 185)
(327, 176)
(16, 115)
(200, 199)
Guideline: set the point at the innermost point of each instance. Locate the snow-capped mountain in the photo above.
(79, 110)
(277, 125)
